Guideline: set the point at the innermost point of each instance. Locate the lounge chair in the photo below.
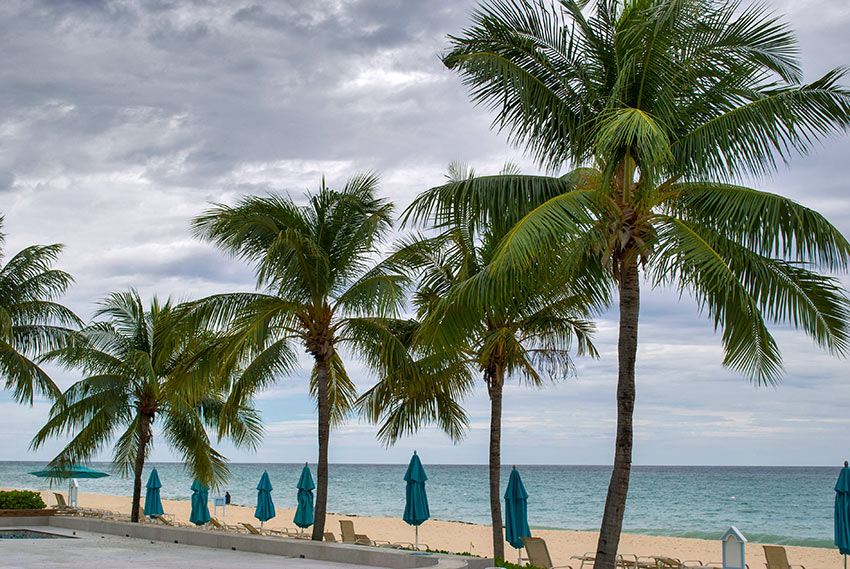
(777, 558)
(171, 523)
(264, 531)
(216, 524)
(251, 529)
(329, 537)
(538, 553)
(625, 560)
(674, 563)
(346, 527)
(62, 505)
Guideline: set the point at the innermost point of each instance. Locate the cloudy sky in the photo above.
(121, 120)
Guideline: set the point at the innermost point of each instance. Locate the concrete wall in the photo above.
(289, 547)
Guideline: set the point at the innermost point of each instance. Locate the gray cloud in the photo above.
(120, 121)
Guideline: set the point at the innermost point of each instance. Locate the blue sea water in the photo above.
(785, 505)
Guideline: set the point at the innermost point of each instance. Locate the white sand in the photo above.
(460, 537)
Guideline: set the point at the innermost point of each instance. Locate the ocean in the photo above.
(784, 505)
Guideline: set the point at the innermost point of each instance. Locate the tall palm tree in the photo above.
(31, 321)
(665, 104)
(527, 336)
(313, 263)
(142, 366)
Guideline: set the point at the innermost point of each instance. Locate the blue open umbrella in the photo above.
(416, 504)
(265, 506)
(304, 512)
(153, 503)
(200, 510)
(516, 511)
(842, 512)
(72, 471)
(68, 472)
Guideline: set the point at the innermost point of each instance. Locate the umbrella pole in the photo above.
(417, 543)
(519, 556)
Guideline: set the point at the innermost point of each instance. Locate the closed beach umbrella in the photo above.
(153, 503)
(842, 512)
(265, 506)
(416, 504)
(304, 512)
(516, 511)
(200, 510)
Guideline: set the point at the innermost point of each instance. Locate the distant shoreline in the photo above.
(504, 466)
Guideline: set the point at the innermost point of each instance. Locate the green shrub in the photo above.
(21, 500)
(464, 554)
(508, 565)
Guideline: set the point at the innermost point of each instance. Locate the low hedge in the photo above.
(508, 565)
(21, 500)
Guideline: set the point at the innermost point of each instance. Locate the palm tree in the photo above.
(527, 336)
(312, 262)
(659, 107)
(31, 321)
(143, 366)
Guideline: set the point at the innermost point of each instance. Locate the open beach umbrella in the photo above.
(73, 471)
(200, 510)
(842, 512)
(416, 504)
(304, 512)
(69, 472)
(265, 506)
(516, 511)
(153, 503)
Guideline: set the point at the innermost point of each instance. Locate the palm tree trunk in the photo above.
(495, 389)
(615, 503)
(324, 436)
(144, 439)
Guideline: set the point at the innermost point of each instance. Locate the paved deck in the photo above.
(95, 551)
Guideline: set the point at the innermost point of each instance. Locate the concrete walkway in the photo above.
(94, 551)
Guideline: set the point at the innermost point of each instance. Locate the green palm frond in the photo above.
(687, 257)
(472, 318)
(342, 392)
(762, 222)
(31, 321)
(183, 428)
(313, 262)
(127, 447)
(144, 364)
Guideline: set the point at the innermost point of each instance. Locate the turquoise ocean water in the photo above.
(785, 505)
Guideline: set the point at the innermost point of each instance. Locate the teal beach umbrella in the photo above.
(304, 512)
(153, 503)
(516, 511)
(416, 503)
(265, 506)
(72, 471)
(68, 472)
(200, 496)
(842, 512)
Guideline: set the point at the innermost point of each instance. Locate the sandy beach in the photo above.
(461, 536)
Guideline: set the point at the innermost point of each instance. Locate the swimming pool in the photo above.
(28, 534)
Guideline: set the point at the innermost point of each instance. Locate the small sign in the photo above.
(733, 542)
